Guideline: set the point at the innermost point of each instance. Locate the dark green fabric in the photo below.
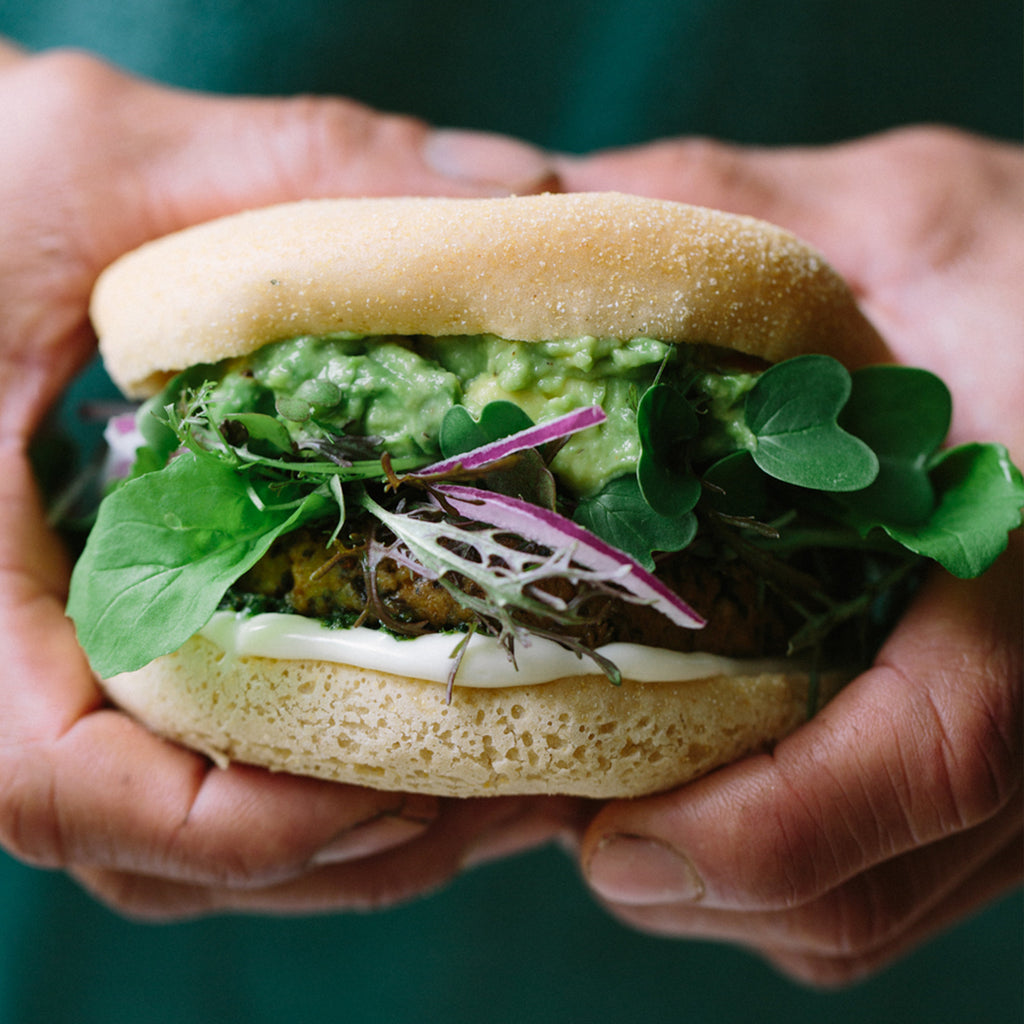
(519, 941)
(578, 74)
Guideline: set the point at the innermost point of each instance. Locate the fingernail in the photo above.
(489, 160)
(383, 831)
(640, 871)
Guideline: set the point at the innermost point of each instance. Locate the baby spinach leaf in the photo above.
(620, 515)
(165, 548)
(903, 414)
(980, 496)
(792, 410)
(461, 433)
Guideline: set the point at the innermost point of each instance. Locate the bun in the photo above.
(527, 268)
(579, 735)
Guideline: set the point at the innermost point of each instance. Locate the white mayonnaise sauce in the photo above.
(484, 663)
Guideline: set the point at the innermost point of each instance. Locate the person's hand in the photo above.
(897, 810)
(94, 164)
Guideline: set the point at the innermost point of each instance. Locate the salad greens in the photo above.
(787, 468)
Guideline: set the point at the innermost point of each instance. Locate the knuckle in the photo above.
(796, 853)
(855, 920)
(978, 754)
(319, 143)
(699, 166)
(64, 85)
(225, 862)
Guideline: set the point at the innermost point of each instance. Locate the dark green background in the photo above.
(521, 941)
(579, 74)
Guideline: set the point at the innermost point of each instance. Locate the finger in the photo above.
(175, 157)
(833, 969)
(858, 920)
(924, 745)
(10, 53)
(417, 866)
(843, 198)
(109, 794)
(84, 784)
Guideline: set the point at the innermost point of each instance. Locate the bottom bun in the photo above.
(577, 736)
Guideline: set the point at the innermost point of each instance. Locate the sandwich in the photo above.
(583, 494)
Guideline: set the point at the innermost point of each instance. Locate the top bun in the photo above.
(529, 268)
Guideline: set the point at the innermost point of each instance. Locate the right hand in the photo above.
(96, 163)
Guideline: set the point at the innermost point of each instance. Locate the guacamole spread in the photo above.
(399, 389)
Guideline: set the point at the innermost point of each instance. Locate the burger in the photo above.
(584, 494)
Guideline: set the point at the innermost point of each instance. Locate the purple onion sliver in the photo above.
(532, 437)
(555, 531)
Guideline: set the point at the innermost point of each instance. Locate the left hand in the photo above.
(897, 809)
(95, 163)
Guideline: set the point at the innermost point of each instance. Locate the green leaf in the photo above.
(619, 515)
(296, 410)
(792, 410)
(981, 494)
(669, 493)
(262, 428)
(903, 414)
(736, 486)
(461, 433)
(665, 423)
(165, 548)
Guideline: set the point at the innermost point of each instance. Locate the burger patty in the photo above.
(309, 578)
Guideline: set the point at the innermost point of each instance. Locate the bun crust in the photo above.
(579, 735)
(528, 268)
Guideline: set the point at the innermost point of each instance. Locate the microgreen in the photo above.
(792, 410)
(903, 413)
(461, 433)
(620, 515)
(981, 494)
(576, 545)
(666, 422)
(734, 485)
(787, 469)
(511, 579)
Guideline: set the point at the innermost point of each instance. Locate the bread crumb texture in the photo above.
(579, 735)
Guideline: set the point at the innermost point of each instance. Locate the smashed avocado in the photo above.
(399, 389)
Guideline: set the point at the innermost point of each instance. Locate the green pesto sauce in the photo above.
(399, 390)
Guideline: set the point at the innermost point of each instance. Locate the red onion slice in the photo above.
(557, 532)
(532, 437)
